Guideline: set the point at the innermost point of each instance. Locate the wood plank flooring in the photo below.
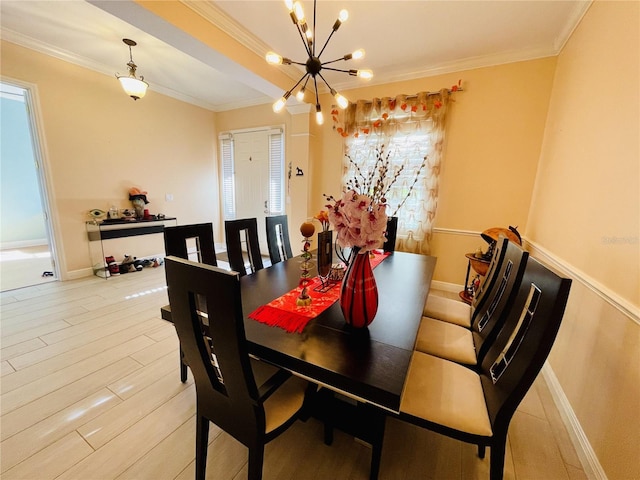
(90, 390)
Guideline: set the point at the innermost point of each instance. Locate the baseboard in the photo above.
(38, 242)
(87, 272)
(587, 456)
(446, 286)
(80, 273)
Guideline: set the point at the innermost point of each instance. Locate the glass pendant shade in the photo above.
(134, 87)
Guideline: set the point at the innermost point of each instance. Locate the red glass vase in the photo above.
(359, 292)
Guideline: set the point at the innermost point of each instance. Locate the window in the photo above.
(410, 130)
(228, 184)
(276, 173)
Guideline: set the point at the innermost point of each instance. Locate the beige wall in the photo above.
(493, 137)
(584, 216)
(99, 143)
(550, 145)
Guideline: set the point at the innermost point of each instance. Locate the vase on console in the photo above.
(359, 292)
(325, 254)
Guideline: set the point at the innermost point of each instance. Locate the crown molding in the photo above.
(224, 22)
(66, 56)
(579, 11)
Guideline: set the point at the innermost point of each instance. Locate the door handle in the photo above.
(266, 208)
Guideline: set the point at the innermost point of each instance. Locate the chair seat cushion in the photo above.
(445, 393)
(448, 310)
(285, 401)
(446, 340)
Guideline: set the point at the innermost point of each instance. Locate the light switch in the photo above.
(168, 197)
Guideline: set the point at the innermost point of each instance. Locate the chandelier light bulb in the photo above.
(289, 4)
(300, 95)
(343, 16)
(358, 54)
(299, 12)
(365, 74)
(319, 116)
(340, 100)
(279, 105)
(273, 58)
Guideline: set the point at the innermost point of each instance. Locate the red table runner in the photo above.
(284, 313)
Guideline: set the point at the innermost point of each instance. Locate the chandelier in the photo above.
(314, 65)
(134, 87)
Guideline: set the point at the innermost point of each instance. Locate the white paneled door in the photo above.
(251, 160)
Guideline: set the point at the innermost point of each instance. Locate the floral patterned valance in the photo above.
(390, 115)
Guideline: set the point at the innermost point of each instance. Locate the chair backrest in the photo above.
(523, 345)
(492, 275)
(215, 346)
(238, 232)
(278, 238)
(176, 241)
(489, 319)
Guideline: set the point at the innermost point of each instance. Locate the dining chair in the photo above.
(278, 238)
(477, 407)
(252, 401)
(176, 243)
(460, 313)
(239, 232)
(177, 239)
(469, 346)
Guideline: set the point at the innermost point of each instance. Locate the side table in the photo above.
(109, 229)
(480, 266)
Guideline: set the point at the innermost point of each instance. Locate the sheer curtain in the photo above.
(410, 129)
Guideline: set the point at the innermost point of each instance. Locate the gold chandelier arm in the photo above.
(325, 82)
(326, 43)
(337, 69)
(315, 85)
(304, 40)
(299, 81)
(334, 61)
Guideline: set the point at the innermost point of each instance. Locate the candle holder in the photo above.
(307, 229)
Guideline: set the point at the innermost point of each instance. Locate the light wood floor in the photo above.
(91, 390)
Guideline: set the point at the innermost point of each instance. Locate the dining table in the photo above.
(365, 367)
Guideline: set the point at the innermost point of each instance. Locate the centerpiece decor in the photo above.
(325, 251)
(360, 220)
(304, 300)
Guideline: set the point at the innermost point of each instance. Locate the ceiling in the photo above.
(402, 39)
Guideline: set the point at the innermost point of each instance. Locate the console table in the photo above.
(110, 229)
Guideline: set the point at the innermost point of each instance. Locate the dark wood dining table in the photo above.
(368, 365)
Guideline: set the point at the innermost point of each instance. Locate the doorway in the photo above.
(27, 255)
(253, 176)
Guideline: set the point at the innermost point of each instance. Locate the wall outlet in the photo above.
(168, 197)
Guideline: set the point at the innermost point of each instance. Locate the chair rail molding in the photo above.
(456, 231)
(609, 296)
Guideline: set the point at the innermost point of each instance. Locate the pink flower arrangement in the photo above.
(359, 216)
(358, 221)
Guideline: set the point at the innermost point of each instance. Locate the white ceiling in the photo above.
(403, 39)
